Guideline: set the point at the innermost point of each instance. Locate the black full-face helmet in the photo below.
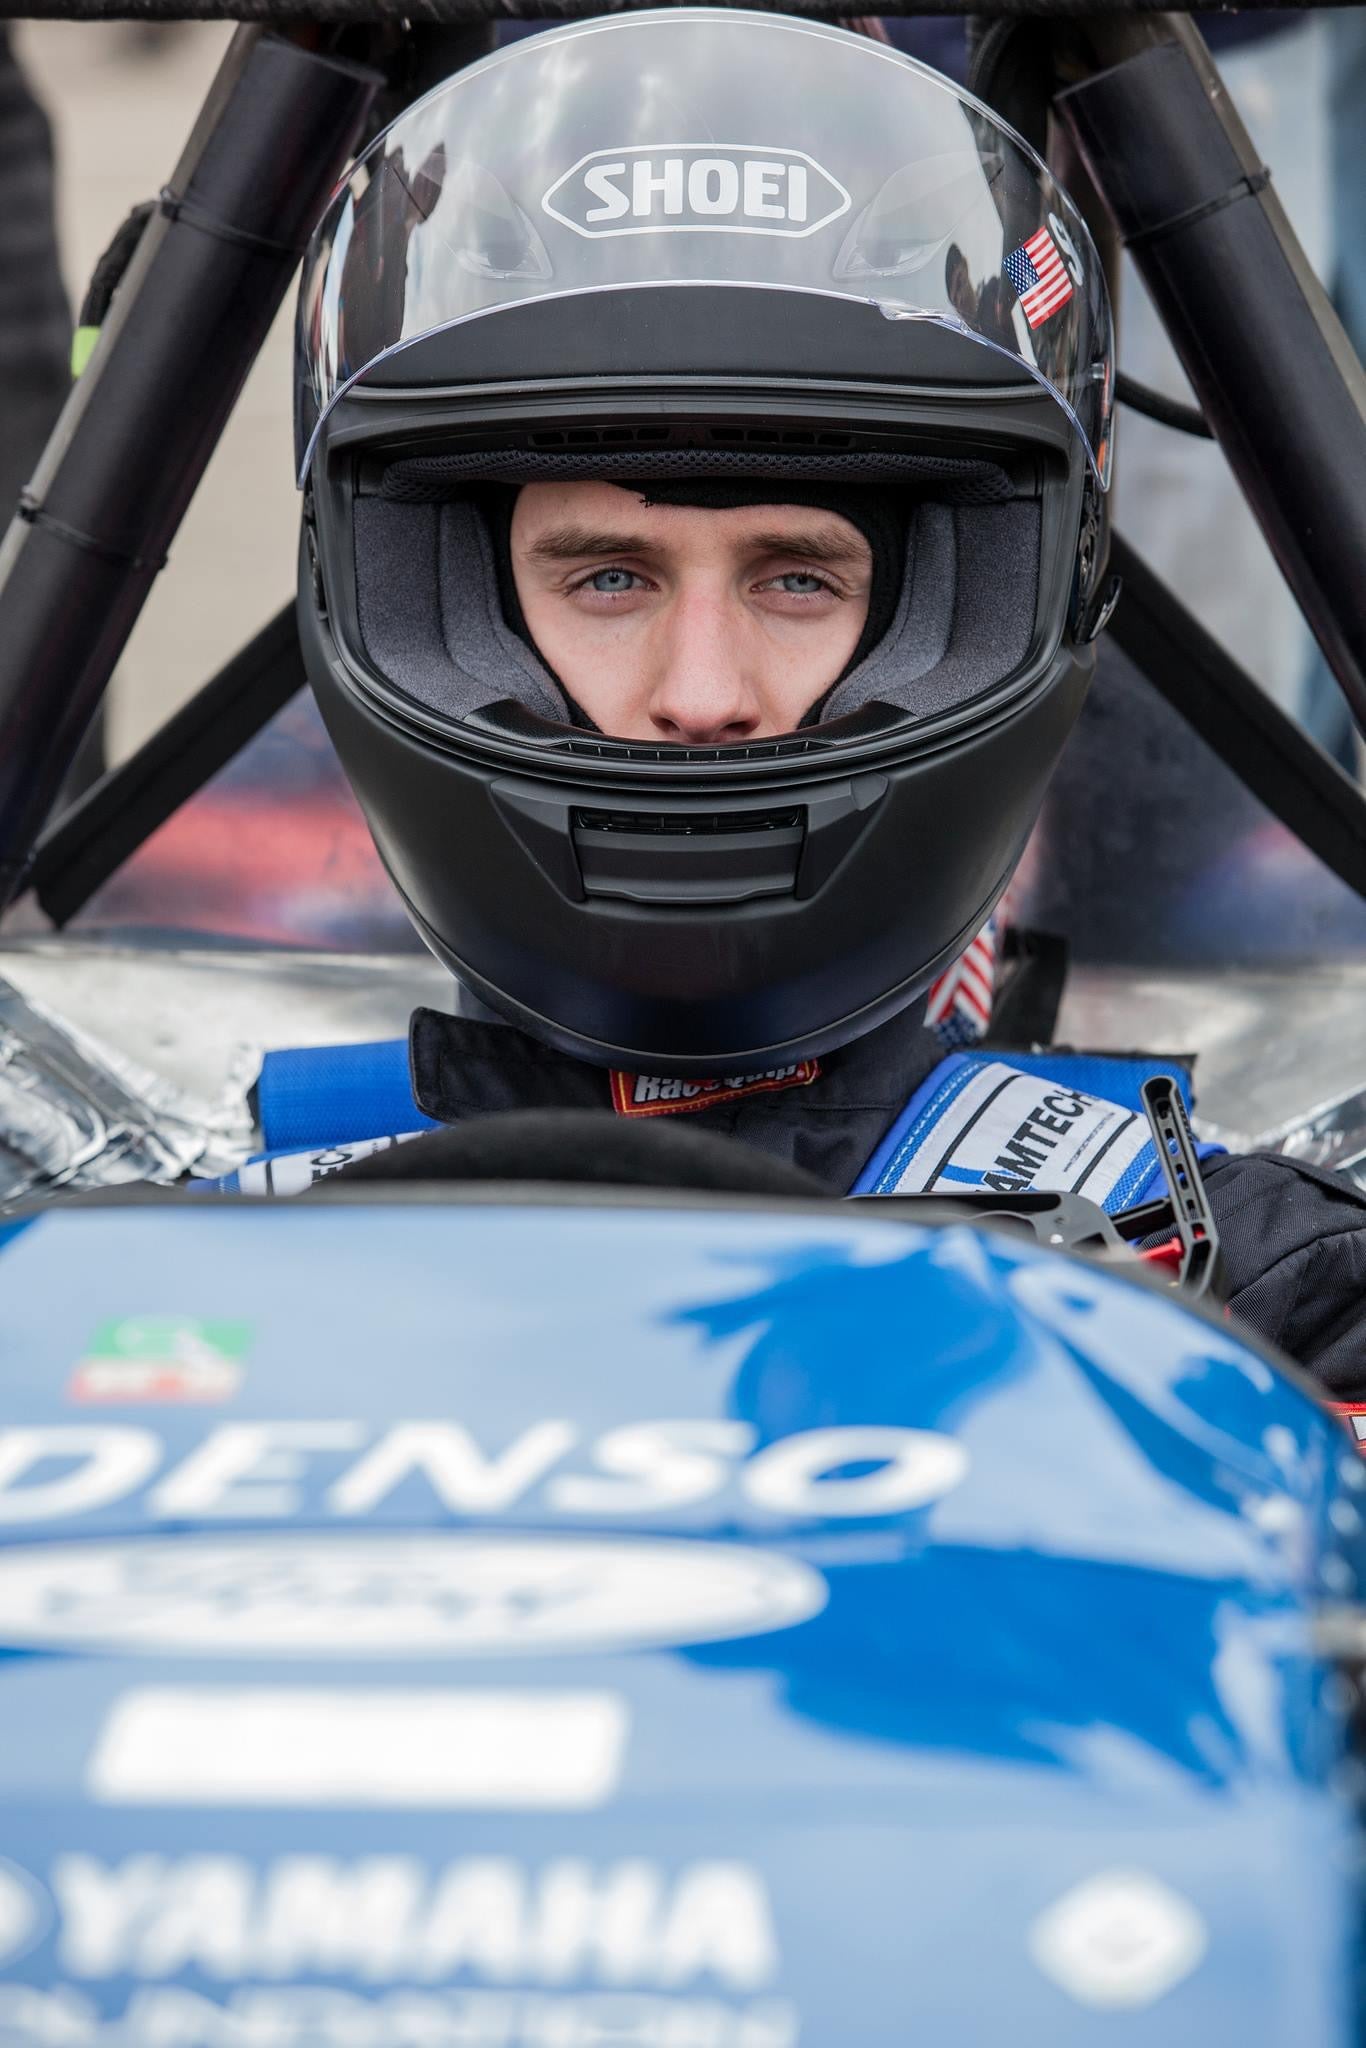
(708, 245)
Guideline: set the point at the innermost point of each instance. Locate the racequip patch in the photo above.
(663, 1095)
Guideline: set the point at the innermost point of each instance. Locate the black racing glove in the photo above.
(1294, 1245)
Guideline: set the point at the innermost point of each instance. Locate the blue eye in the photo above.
(798, 585)
(612, 582)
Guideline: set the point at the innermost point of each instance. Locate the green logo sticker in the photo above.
(162, 1358)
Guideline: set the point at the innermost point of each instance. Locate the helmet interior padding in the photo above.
(957, 479)
(432, 624)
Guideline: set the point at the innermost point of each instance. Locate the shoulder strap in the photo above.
(293, 1173)
(320, 1107)
(313, 1096)
(1068, 1123)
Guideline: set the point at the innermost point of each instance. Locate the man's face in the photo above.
(674, 622)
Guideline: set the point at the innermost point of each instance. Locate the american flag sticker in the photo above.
(1040, 276)
(959, 1005)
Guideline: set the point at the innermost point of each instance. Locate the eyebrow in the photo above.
(568, 543)
(573, 543)
(826, 544)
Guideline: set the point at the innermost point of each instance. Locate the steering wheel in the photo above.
(590, 1147)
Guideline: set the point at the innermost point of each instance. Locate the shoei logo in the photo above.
(696, 188)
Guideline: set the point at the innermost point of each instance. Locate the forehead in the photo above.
(603, 508)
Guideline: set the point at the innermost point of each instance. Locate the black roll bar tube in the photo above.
(461, 13)
(88, 843)
(131, 445)
(1269, 751)
(1276, 377)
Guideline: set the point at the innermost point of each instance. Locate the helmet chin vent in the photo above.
(692, 824)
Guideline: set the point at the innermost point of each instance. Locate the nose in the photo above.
(702, 693)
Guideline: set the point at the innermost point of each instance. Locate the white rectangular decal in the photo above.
(368, 1746)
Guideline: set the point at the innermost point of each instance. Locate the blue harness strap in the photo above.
(321, 1106)
(318, 1095)
(293, 1173)
(1047, 1122)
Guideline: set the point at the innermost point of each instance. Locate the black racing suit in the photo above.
(1293, 1236)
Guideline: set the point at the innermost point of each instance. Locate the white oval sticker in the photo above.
(381, 1595)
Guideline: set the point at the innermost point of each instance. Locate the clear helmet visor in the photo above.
(697, 147)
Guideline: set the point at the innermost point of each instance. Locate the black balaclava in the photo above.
(879, 511)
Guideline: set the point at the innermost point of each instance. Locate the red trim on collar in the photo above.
(1353, 1415)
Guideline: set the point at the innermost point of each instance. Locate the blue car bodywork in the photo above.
(664, 1626)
